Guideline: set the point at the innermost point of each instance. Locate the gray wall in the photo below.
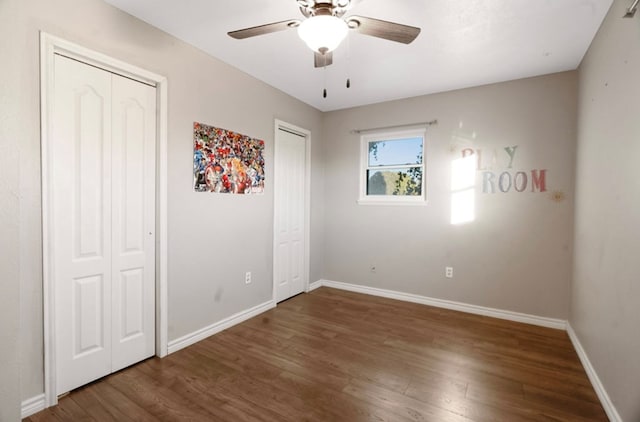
(10, 130)
(516, 255)
(213, 239)
(605, 305)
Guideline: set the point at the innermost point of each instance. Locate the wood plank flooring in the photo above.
(332, 355)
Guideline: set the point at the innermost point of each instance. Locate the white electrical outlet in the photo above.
(448, 272)
(247, 277)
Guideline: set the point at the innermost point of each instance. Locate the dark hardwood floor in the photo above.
(338, 356)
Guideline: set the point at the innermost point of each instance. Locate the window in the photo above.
(393, 170)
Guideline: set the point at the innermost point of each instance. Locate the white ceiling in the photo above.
(463, 43)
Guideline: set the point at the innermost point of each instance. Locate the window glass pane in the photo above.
(400, 182)
(395, 152)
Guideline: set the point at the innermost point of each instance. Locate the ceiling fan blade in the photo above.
(263, 29)
(383, 29)
(322, 60)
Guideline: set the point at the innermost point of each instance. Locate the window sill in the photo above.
(421, 202)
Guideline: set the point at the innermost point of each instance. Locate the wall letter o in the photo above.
(505, 175)
(520, 181)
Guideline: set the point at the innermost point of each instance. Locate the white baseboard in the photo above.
(314, 285)
(201, 334)
(446, 304)
(32, 406)
(605, 400)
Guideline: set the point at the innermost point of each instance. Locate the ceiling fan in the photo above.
(324, 28)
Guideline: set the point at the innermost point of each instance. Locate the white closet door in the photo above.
(133, 200)
(103, 210)
(290, 159)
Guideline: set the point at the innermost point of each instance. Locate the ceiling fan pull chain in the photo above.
(348, 61)
(324, 91)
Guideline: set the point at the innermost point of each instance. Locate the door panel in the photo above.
(88, 316)
(131, 304)
(81, 204)
(289, 210)
(295, 269)
(89, 167)
(282, 261)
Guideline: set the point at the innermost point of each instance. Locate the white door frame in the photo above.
(49, 46)
(306, 134)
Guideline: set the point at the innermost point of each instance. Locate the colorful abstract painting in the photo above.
(226, 161)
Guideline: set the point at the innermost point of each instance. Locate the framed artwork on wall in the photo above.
(226, 162)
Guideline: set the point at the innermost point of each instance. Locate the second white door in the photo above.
(102, 190)
(289, 203)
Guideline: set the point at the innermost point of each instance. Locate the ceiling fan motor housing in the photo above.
(337, 8)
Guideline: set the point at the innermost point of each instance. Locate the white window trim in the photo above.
(365, 139)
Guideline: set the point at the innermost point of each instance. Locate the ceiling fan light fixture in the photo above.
(323, 33)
